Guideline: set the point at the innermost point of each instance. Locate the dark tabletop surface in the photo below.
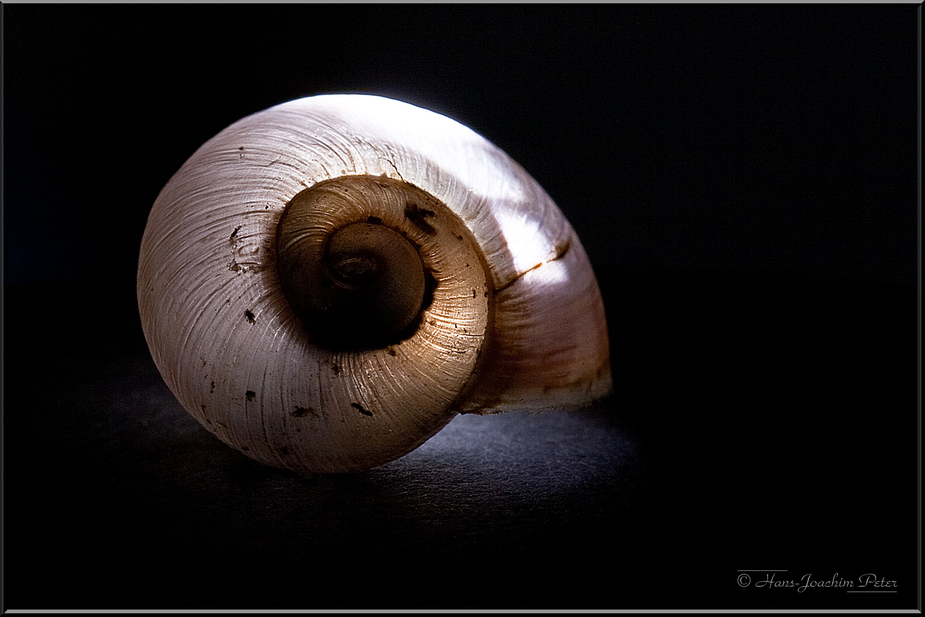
(755, 424)
(744, 182)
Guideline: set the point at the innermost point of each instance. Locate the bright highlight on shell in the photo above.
(325, 284)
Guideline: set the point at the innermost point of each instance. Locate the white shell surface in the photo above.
(230, 348)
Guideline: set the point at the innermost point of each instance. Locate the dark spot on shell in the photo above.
(301, 412)
(359, 408)
(249, 316)
(235, 232)
(335, 369)
(240, 147)
(562, 249)
(391, 351)
(211, 387)
(374, 220)
(418, 216)
(250, 395)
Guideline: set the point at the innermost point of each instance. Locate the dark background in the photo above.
(744, 181)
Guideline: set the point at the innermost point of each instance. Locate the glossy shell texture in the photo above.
(237, 358)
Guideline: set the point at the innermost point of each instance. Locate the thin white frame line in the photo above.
(467, 611)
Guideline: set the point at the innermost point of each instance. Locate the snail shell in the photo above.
(325, 284)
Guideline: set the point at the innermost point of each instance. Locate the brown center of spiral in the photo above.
(354, 281)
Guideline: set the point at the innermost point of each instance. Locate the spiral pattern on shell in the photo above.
(505, 314)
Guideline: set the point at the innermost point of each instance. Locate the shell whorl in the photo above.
(515, 319)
